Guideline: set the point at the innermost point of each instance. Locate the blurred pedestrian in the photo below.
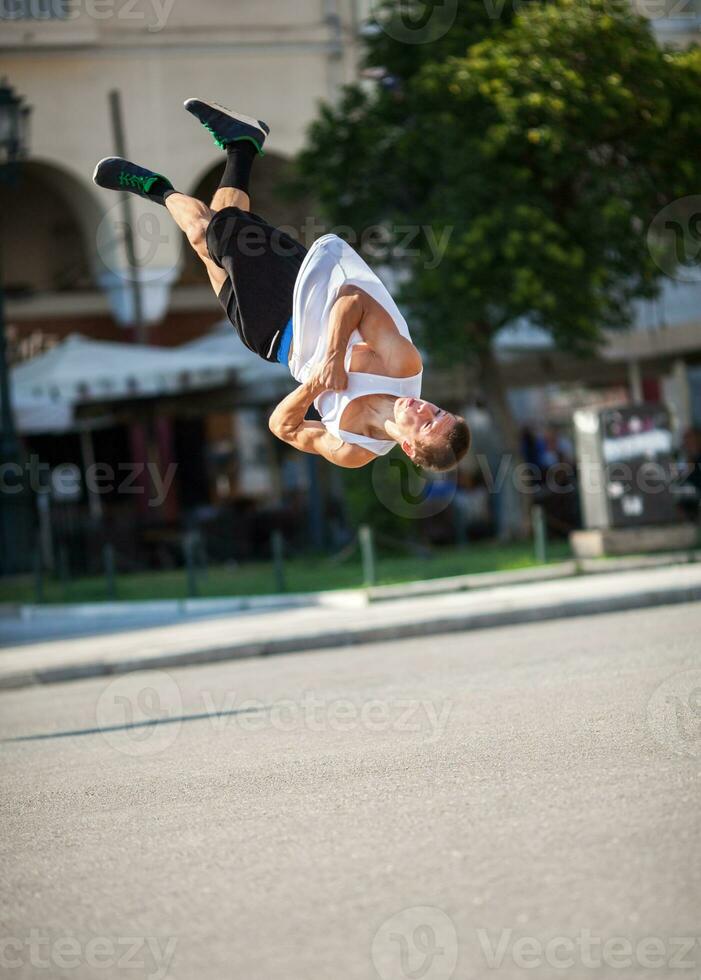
(690, 503)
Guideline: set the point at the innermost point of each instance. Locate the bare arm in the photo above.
(346, 314)
(360, 311)
(288, 423)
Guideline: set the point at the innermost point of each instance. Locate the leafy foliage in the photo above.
(543, 143)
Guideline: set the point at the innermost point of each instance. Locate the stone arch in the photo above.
(49, 230)
(267, 199)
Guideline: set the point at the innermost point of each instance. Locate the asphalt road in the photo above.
(515, 802)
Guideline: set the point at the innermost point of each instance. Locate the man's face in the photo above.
(420, 421)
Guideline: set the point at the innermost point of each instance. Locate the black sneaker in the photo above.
(117, 174)
(227, 126)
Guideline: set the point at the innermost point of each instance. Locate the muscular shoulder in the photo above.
(367, 303)
(398, 357)
(349, 289)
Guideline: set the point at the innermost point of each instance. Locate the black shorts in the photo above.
(262, 263)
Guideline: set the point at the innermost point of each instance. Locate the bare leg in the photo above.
(193, 217)
(230, 197)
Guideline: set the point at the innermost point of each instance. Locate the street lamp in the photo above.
(16, 516)
(14, 125)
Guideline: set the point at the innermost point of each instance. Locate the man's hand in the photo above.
(331, 375)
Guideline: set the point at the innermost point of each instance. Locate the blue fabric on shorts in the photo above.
(283, 351)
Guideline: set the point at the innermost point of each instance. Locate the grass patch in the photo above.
(307, 574)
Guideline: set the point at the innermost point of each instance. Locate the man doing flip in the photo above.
(323, 312)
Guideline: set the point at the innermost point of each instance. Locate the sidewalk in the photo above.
(274, 631)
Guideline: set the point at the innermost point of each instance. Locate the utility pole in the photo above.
(16, 507)
(134, 271)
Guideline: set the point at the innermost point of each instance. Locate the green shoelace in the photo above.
(135, 182)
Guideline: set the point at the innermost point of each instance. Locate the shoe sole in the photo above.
(231, 113)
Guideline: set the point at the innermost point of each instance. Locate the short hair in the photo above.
(443, 454)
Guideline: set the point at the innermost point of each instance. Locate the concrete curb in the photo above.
(539, 573)
(341, 599)
(428, 626)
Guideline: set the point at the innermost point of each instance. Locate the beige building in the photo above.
(64, 253)
(64, 241)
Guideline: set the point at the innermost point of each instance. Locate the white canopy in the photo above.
(47, 388)
(41, 415)
(80, 370)
(260, 380)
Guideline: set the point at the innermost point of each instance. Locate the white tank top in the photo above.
(330, 264)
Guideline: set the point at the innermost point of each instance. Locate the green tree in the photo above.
(543, 144)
